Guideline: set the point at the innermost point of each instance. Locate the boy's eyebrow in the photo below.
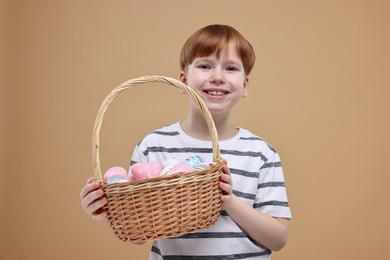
(238, 62)
(207, 59)
(202, 59)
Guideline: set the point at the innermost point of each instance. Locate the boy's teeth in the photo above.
(216, 93)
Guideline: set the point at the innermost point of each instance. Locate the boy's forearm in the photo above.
(267, 231)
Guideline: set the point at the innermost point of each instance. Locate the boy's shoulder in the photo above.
(168, 130)
(171, 129)
(255, 139)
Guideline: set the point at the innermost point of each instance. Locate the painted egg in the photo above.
(194, 160)
(202, 167)
(180, 167)
(145, 170)
(168, 165)
(117, 179)
(116, 170)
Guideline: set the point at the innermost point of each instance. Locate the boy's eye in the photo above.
(231, 68)
(204, 66)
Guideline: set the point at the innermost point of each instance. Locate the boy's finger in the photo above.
(96, 206)
(91, 197)
(91, 179)
(100, 216)
(89, 188)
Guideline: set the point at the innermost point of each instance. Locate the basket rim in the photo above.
(166, 180)
(140, 81)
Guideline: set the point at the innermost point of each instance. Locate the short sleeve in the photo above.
(271, 197)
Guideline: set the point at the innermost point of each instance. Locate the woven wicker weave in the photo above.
(166, 206)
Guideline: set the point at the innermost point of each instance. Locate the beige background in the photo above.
(319, 94)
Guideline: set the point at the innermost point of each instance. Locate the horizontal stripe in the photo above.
(240, 153)
(132, 162)
(256, 138)
(160, 149)
(201, 235)
(224, 213)
(271, 184)
(174, 133)
(244, 173)
(244, 195)
(251, 138)
(271, 165)
(212, 235)
(271, 203)
(171, 133)
(211, 257)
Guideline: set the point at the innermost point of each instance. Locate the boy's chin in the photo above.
(219, 111)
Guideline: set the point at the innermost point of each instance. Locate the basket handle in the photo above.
(138, 81)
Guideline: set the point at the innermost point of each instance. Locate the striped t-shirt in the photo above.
(257, 179)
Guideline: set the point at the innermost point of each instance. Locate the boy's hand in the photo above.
(92, 200)
(226, 184)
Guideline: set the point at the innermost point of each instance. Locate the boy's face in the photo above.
(219, 81)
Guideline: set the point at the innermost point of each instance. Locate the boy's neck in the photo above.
(196, 126)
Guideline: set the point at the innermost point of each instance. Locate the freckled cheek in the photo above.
(195, 82)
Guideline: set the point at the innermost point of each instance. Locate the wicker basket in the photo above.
(166, 206)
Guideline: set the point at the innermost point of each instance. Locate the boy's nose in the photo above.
(217, 76)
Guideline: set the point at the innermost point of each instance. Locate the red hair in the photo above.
(213, 39)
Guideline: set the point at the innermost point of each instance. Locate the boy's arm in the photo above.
(267, 231)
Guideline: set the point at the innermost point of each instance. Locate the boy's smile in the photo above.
(216, 92)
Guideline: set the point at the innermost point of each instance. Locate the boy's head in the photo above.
(213, 39)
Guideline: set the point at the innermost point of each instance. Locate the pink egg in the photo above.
(145, 170)
(181, 167)
(116, 170)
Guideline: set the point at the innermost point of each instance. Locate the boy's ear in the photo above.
(183, 79)
(246, 88)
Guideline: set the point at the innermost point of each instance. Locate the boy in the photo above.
(215, 62)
